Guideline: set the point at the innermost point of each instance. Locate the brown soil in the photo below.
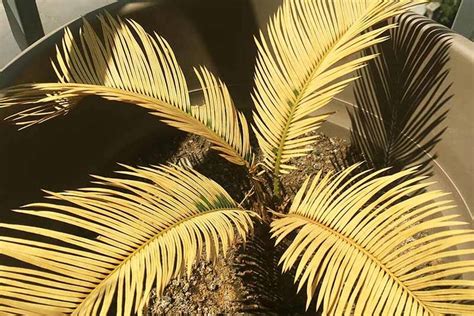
(248, 280)
(211, 289)
(327, 154)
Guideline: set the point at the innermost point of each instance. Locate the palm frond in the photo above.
(129, 65)
(401, 96)
(219, 113)
(367, 247)
(151, 228)
(301, 66)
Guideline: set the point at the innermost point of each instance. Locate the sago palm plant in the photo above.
(351, 232)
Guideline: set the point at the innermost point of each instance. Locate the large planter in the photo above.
(90, 140)
(62, 153)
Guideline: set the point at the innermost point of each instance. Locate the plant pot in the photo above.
(90, 140)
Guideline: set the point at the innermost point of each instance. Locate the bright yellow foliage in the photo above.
(129, 65)
(374, 249)
(151, 227)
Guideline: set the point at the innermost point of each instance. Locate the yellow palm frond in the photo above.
(300, 66)
(366, 246)
(152, 226)
(219, 113)
(130, 65)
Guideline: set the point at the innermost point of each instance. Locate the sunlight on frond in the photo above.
(129, 65)
(219, 113)
(365, 245)
(152, 227)
(300, 68)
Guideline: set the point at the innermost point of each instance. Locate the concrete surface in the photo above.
(54, 14)
(9, 47)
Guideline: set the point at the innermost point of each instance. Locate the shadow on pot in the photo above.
(402, 96)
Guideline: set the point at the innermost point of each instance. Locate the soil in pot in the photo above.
(248, 279)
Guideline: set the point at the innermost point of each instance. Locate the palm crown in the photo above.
(349, 230)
